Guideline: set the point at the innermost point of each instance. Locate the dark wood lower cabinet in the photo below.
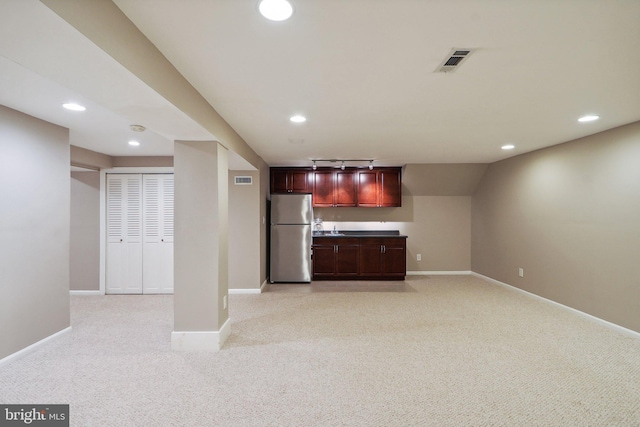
(336, 258)
(383, 257)
(333, 258)
(347, 259)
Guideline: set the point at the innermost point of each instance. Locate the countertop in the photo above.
(360, 233)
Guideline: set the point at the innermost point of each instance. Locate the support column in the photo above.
(201, 276)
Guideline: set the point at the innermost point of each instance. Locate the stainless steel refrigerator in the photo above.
(291, 227)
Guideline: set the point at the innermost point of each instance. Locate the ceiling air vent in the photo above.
(243, 180)
(453, 61)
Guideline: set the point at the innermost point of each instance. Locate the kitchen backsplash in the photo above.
(346, 225)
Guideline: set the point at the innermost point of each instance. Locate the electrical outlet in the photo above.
(521, 272)
(224, 302)
(419, 257)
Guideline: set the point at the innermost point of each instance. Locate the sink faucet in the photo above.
(334, 230)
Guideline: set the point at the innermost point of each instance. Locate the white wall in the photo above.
(201, 261)
(245, 232)
(569, 215)
(438, 228)
(34, 230)
(84, 269)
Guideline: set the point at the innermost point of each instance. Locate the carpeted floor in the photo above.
(430, 351)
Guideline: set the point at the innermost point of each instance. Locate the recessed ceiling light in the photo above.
(298, 118)
(275, 10)
(134, 143)
(73, 107)
(588, 118)
(508, 147)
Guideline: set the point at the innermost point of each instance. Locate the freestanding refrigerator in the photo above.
(291, 227)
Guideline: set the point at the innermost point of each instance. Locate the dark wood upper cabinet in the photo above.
(390, 188)
(345, 192)
(323, 189)
(368, 189)
(333, 187)
(291, 180)
(379, 188)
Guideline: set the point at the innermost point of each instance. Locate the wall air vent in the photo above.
(453, 61)
(243, 180)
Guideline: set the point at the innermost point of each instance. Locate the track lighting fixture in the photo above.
(343, 163)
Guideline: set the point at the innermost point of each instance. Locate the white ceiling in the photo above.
(362, 71)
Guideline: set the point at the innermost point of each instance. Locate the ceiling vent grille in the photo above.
(453, 61)
(243, 180)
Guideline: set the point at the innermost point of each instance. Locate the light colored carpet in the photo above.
(442, 351)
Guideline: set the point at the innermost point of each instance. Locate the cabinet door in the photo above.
(124, 234)
(279, 181)
(290, 180)
(367, 189)
(323, 260)
(345, 188)
(370, 259)
(394, 257)
(323, 189)
(298, 181)
(390, 188)
(347, 260)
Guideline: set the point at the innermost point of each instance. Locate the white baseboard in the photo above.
(33, 346)
(603, 322)
(245, 291)
(438, 273)
(85, 293)
(210, 341)
(249, 291)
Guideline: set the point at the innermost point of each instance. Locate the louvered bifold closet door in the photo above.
(124, 234)
(157, 207)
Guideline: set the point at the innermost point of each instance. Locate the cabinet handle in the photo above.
(335, 249)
